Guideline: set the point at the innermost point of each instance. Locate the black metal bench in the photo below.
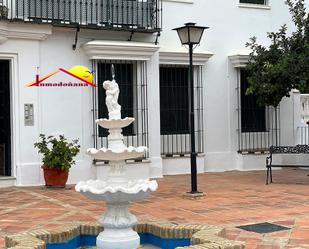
(298, 149)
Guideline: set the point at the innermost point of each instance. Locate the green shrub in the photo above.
(57, 152)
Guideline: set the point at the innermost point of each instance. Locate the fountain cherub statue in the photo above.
(112, 94)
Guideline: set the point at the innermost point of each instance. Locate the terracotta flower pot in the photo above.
(55, 177)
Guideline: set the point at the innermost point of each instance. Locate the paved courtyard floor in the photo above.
(232, 199)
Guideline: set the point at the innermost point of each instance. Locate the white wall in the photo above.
(64, 110)
(55, 110)
(230, 29)
(68, 110)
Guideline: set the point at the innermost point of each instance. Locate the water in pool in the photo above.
(146, 246)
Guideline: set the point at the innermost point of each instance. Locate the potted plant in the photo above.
(3, 10)
(58, 154)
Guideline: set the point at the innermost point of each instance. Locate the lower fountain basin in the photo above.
(117, 220)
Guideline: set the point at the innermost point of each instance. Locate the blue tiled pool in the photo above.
(146, 238)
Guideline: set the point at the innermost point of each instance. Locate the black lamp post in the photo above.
(191, 35)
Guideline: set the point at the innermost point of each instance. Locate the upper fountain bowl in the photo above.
(114, 123)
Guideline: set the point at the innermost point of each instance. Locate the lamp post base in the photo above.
(193, 195)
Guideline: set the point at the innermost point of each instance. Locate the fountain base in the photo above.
(117, 220)
(118, 238)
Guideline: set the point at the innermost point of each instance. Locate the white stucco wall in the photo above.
(231, 27)
(68, 110)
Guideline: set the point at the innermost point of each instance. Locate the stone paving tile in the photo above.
(299, 242)
(300, 233)
(232, 199)
(267, 246)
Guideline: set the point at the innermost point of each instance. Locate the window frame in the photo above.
(125, 111)
(179, 144)
(175, 85)
(265, 2)
(140, 136)
(256, 108)
(265, 6)
(257, 141)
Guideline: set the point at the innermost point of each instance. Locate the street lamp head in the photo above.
(190, 34)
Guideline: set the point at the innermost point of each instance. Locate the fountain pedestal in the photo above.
(118, 191)
(116, 238)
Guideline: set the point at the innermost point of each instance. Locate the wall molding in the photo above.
(3, 34)
(181, 56)
(23, 31)
(254, 6)
(240, 59)
(119, 50)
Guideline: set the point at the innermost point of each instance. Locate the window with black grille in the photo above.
(174, 102)
(124, 76)
(258, 126)
(253, 116)
(174, 109)
(263, 2)
(132, 78)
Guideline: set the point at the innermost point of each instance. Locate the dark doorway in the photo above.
(5, 119)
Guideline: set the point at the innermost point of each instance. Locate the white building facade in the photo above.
(151, 66)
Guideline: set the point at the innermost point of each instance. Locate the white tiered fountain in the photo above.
(117, 191)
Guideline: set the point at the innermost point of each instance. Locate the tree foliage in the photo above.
(284, 65)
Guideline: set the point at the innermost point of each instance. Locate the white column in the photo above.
(287, 121)
(156, 167)
(304, 108)
(297, 115)
(302, 117)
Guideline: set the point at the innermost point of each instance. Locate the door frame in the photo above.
(14, 109)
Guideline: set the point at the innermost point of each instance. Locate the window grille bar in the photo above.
(238, 111)
(94, 106)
